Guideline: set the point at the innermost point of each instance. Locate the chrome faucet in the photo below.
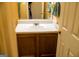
(36, 24)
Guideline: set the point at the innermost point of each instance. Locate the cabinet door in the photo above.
(26, 45)
(47, 44)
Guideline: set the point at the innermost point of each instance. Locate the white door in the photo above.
(37, 9)
(68, 42)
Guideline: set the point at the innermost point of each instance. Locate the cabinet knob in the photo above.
(59, 32)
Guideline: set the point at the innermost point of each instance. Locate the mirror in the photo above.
(36, 10)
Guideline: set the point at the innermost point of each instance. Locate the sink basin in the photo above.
(36, 27)
(42, 27)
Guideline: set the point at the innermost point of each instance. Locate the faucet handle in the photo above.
(36, 24)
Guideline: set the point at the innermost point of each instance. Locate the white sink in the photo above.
(40, 27)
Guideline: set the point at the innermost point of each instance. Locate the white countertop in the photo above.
(24, 26)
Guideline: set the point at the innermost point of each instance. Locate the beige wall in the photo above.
(8, 17)
(24, 11)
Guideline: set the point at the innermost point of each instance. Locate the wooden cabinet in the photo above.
(43, 44)
(47, 44)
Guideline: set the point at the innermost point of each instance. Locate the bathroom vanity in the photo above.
(37, 38)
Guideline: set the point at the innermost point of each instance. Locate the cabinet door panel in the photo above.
(26, 45)
(47, 44)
